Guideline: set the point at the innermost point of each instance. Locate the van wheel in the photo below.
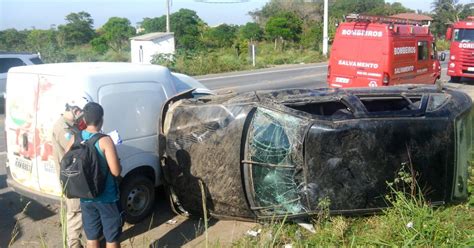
(455, 79)
(137, 197)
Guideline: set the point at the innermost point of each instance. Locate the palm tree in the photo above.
(445, 12)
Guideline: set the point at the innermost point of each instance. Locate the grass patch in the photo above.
(411, 222)
(227, 60)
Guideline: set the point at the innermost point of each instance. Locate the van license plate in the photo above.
(23, 164)
(470, 69)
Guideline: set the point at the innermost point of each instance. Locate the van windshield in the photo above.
(464, 35)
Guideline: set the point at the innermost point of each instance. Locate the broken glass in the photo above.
(275, 149)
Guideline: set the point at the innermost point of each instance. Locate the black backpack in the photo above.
(80, 172)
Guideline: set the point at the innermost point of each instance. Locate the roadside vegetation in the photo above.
(283, 32)
(411, 222)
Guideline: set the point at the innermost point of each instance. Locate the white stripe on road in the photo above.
(261, 73)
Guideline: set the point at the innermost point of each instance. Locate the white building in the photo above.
(143, 47)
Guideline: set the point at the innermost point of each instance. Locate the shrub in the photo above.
(442, 45)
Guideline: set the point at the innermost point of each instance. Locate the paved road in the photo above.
(38, 223)
(293, 76)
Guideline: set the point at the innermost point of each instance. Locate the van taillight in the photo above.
(386, 79)
(329, 71)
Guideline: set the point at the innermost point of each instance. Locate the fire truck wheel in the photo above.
(455, 79)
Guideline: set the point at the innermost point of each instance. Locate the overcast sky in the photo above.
(41, 14)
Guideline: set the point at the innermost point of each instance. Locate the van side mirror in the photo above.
(443, 57)
(449, 33)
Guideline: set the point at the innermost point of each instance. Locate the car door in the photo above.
(133, 109)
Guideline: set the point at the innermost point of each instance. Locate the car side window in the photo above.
(7, 63)
(36, 61)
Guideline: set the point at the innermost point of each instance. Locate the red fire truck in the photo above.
(461, 59)
(379, 51)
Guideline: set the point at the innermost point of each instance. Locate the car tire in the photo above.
(455, 79)
(137, 197)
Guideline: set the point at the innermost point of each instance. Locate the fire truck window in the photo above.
(422, 50)
(456, 35)
(463, 35)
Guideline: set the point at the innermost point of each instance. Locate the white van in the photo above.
(131, 95)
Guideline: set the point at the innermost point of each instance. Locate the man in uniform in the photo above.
(62, 132)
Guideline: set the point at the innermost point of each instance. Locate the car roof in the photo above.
(97, 74)
(76, 68)
(4, 54)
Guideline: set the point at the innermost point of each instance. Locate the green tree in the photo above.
(448, 11)
(185, 23)
(223, 35)
(41, 40)
(77, 31)
(251, 31)
(13, 40)
(395, 8)
(284, 26)
(117, 31)
(341, 8)
(308, 10)
(157, 24)
(312, 35)
(186, 26)
(99, 44)
(467, 10)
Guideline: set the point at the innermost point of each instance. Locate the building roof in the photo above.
(152, 36)
(413, 16)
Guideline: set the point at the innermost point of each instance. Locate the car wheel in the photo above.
(455, 79)
(137, 197)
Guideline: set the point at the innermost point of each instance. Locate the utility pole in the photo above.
(167, 16)
(325, 29)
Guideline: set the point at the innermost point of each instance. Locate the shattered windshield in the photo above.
(275, 144)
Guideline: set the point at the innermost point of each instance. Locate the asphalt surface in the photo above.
(280, 77)
(34, 224)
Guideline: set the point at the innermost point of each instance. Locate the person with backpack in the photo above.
(99, 204)
(63, 129)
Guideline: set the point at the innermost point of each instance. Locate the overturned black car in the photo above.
(271, 154)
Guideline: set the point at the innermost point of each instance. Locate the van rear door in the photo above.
(53, 94)
(358, 56)
(21, 131)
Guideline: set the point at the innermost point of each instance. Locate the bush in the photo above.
(410, 222)
(442, 45)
